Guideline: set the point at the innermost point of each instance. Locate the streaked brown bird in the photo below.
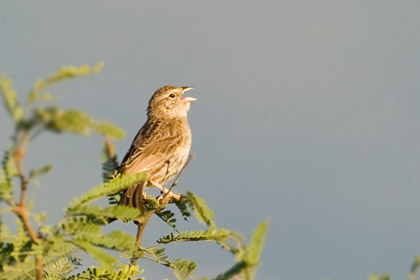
(162, 145)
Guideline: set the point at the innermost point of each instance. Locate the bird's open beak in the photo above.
(188, 98)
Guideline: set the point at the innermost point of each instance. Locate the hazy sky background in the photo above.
(307, 112)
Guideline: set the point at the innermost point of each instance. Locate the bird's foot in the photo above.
(166, 196)
(165, 193)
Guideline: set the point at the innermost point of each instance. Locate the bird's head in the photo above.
(170, 102)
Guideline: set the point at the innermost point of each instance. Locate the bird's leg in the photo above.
(190, 157)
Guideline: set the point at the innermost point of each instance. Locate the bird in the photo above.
(162, 145)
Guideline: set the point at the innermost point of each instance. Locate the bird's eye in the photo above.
(172, 95)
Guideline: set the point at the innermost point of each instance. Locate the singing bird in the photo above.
(162, 145)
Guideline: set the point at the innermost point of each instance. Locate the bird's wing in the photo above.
(152, 146)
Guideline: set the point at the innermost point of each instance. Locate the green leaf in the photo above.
(117, 240)
(254, 249)
(62, 74)
(69, 225)
(39, 171)
(98, 67)
(101, 256)
(7, 172)
(157, 254)
(88, 232)
(58, 120)
(183, 268)
(10, 99)
(5, 234)
(40, 217)
(92, 233)
(57, 247)
(11, 273)
(414, 268)
(108, 129)
(201, 211)
(75, 121)
(119, 212)
(21, 239)
(67, 72)
(47, 97)
(127, 272)
(113, 186)
(6, 258)
(197, 235)
(56, 257)
(235, 270)
(59, 268)
(168, 217)
(183, 208)
(381, 277)
(257, 241)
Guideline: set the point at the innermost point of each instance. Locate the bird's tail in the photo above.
(133, 196)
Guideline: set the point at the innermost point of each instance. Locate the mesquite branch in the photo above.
(19, 208)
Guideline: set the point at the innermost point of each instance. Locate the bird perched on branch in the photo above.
(161, 146)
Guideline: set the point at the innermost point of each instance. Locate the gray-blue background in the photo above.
(308, 113)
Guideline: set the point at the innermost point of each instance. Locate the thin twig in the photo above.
(37, 131)
(109, 147)
(111, 155)
(38, 267)
(190, 157)
(141, 224)
(20, 208)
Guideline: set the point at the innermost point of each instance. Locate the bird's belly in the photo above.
(164, 173)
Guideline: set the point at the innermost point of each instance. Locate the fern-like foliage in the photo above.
(116, 240)
(75, 121)
(238, 268)
(183, 269)
(58, 269)
(110, 187)
(118, 212)
(33, 173)
(253, 250)
(6, 258)
(414, 268)
(57, 247)
(128, 272)
(8, 171)
(10, 99)
(220, 235)
(182, 206)
(64, 73)
(168, 217)
(201, 211)
(156, 254)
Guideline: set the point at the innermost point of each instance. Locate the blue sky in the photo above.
(307, 113)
